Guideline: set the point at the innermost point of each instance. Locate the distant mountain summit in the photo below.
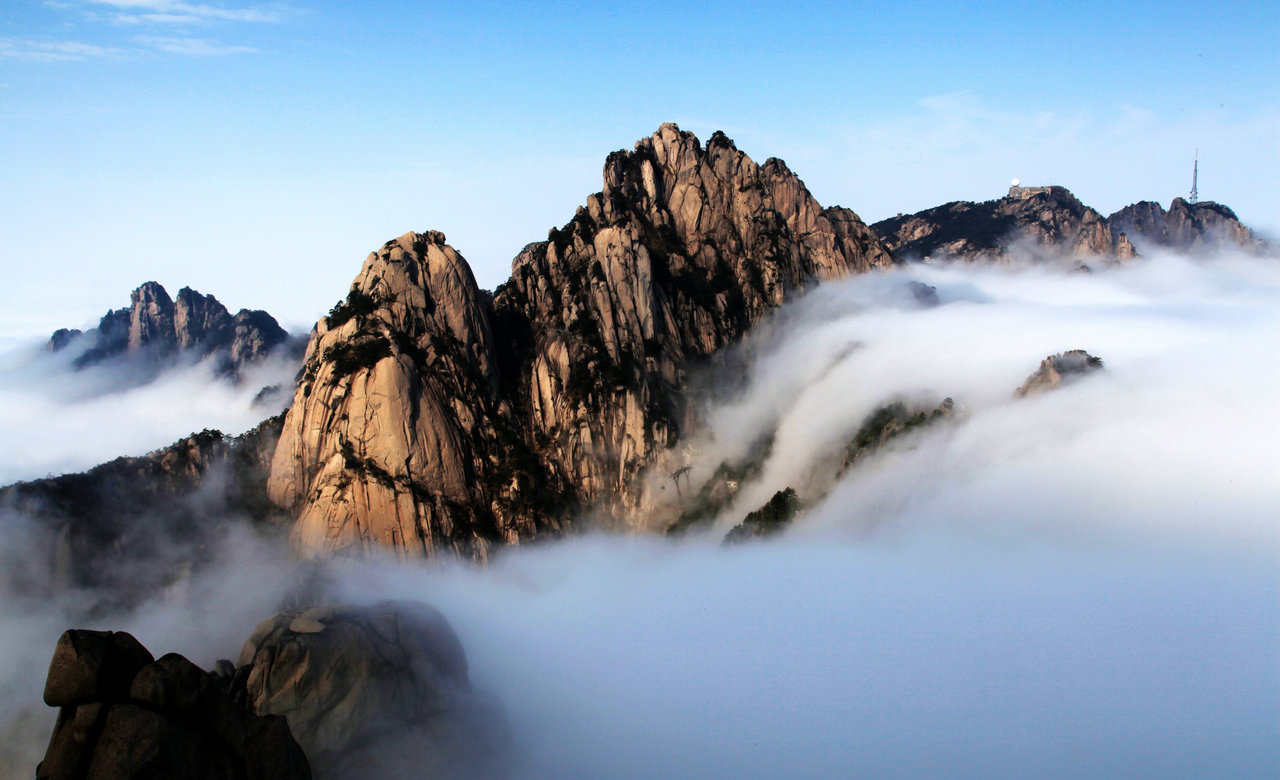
(1050, 223)
(156, 327)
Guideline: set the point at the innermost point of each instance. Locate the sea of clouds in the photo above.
(58, 420)
(1083, 583)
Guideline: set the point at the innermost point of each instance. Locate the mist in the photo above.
(70, 420)
(1082, 583)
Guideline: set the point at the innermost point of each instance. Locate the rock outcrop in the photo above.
(125, 715)
(62, 338)
(156, 327)
(1185, 227)
(379, 691)
(769, 520)
(1056, 370)
(432, 415)
(1048, 223)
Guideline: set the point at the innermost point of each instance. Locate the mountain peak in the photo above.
(430, 415)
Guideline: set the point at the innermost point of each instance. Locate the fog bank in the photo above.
(1083, 583)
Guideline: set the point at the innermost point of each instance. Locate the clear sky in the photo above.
(258, 151)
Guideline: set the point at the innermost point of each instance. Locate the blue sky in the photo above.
(258, 151)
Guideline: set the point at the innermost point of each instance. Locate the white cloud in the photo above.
(192, 47)
(55, 51)
(72, 420)
(177, 12)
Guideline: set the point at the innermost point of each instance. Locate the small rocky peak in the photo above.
(195, 316)
(254, 335)
(422, 288)
(62, 338)
(151, 319)
(1056, 370)
(1186, 227)
(1125, 250)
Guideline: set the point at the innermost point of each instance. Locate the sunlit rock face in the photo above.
(433, 415)
(1186, 227)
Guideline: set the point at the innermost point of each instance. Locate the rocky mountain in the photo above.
(1049, 222)
(156, 327)
(1186, 227)
(431, 414)
(131, 527)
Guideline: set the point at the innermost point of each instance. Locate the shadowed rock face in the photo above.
(1186, 227)
(1050, 223)
(432, 415)
(378, 691)
(132, 526)
(124, 715)
(156, 326)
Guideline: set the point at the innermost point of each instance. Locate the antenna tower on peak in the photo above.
(1195, 175)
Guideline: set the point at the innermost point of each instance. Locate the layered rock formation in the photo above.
(125, 715)
(1047, 222)
(1185, 227)
(433, 415)
(157, 327)
(379, 691)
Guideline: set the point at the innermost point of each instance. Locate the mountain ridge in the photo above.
(1052, 224)
(158, 328)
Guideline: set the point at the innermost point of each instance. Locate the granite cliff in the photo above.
(432, 415)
